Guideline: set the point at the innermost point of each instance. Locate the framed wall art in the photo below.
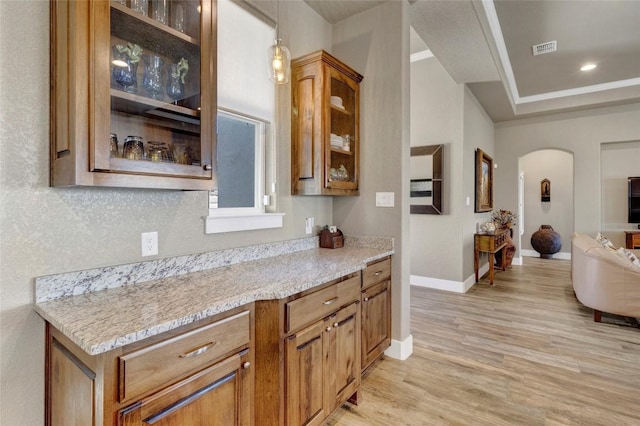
(545, 190)
(426, 179)
(484, 182)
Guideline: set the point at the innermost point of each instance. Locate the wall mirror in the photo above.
(426, 179)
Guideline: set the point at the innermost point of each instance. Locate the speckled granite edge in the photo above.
(51, 287)
(101, 321)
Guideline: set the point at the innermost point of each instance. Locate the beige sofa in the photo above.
(603, 279)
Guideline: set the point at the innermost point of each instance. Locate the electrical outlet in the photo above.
(149, 243)
(309, 225)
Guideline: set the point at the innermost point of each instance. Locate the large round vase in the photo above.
(546, 241)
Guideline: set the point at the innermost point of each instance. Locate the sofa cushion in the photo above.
(629, 255)
(606, 243)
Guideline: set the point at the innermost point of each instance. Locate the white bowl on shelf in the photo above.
(336, 101)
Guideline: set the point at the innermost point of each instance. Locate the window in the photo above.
(246, 101)
(240, 164)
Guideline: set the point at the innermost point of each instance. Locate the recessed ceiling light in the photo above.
(587, 67)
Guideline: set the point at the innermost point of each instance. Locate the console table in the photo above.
(490, 243)
(632, 239)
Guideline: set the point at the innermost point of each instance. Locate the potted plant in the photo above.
(504, 219)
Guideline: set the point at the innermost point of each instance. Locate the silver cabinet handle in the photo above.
(198, 351)
(330, 301)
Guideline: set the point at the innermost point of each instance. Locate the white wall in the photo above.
(580, 133)
(557, 166)
(619, 162)
(52, 230)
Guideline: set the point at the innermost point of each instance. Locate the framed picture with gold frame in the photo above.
(484, 182)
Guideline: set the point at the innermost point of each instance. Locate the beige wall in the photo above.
(376, 44)
(619, 162)
(443, 112)
(478, 133)
(50, 230)
(557, 166)
(580, 133)
(436, 118)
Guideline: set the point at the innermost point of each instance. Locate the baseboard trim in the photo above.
(400, 349)
(448, 285)
(560, 255)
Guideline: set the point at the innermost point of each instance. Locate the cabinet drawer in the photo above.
(159, 364)
(317, 305)
(376, 272)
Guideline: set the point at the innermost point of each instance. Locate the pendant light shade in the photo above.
(279, 63)
(279, 59)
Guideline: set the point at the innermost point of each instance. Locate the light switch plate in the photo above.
(385, 199)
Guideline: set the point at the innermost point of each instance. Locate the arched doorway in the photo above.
(546, 196)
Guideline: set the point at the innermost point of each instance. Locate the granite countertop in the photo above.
(100, 321)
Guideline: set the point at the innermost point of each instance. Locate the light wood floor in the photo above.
(523, 352)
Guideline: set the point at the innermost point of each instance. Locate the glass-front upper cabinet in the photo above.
(134, 93)
(325, 126)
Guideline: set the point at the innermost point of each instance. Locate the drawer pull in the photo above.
(330, 301)
(198, 351)
(328, 329)
(377, 273)
(246, 365)
(335, 325)
(366, 299)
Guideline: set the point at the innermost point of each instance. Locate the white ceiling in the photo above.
(487, 45)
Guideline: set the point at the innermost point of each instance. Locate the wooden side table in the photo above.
(632, 239)
(490, 243)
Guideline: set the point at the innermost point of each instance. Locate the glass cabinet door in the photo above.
(160, 81)
(342, 148)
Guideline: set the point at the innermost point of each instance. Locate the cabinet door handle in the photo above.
(335, 325)
(365, 299)
(330, 301)
(246, 365)
(328, 328)
(198, 351)
(207, 167)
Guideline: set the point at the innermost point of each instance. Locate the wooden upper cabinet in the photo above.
(118, 74)
(325, 129)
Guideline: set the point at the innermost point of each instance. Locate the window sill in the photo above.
(242, 222)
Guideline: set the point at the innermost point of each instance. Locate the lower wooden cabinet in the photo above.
(311, 350)
(218, 395)
(309, 359)
(200, 374)
(376, 311)
(321, 367)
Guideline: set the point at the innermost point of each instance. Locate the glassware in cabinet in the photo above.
(145, 78)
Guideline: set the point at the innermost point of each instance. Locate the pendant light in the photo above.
(279, 57)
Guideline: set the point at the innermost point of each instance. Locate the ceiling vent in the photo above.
(542, 48)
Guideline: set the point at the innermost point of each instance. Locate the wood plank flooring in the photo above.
(523, 352)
